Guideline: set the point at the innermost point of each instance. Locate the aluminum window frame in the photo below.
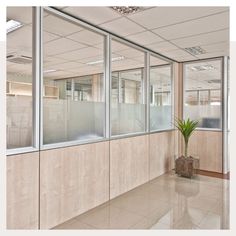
(221, 59)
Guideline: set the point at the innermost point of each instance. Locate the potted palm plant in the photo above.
(186, 165)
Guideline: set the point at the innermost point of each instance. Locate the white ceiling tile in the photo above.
(162, 47)
(80, 54)
(48, 61)
(179, 55)
(144, 38)
(203, 39)
(47, 37)
(21, 14)
(163, 16)
(19, 68)
(122, 26)
(87, 37)
(64, 66)
(95, 15)
(92, 59)
(84, 69)
(156, 61)
(213, 54)
(59, 26)
(194, 27)
(131, 53)
(58, 74)
(61, 45)
(223, 46)
(117, 46)
(20, 39)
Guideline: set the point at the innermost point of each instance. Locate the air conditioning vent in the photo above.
(19, 59)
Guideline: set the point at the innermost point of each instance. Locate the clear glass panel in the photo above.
(19, 77)
(127, 95)
(203, 93)
(73, 99)
(160, 95)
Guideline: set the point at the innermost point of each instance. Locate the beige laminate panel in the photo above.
(129, 164)
(161, 153)
(72, 181)
(207, 145)
(23, 191)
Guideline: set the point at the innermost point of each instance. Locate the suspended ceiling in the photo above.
(69, 48)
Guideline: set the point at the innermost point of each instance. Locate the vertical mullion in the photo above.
(225, 113)
(147, 89)
(41, 88)
(172, 94)
(36, 75)
(107, 85)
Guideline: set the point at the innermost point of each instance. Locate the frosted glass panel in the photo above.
(127, 118)
(207, 115)
(160, 117)
(66, 120)
(19, 121)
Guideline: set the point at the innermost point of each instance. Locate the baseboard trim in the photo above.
(214, 174)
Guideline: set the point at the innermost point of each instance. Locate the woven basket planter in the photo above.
(186, 167)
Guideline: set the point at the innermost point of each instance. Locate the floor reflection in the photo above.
(167, 202)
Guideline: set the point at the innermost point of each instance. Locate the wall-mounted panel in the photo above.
(162, 153)
(23, 191)
(72, 181)
(207, 145)
(129, 164)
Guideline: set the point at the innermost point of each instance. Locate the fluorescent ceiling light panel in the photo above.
(126, 10)
(202, 68)
(13, 25)
(101, 61)
(49, 71)
(195, 50)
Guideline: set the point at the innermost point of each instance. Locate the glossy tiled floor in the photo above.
(167, 202)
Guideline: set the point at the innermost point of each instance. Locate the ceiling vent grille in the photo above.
(127, 10)
(195, 50)
(19, 59)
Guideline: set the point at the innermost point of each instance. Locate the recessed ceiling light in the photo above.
(49, 71)
(126, 10)
(13, 25)
(202, 68)
(101, 61)
(195, 50)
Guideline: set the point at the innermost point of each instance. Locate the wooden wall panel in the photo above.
(23, 191)
(161, 153)
(72, 181)
(129, 164)
(207, 145)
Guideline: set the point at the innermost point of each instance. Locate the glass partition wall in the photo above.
(20, 82)
(73, 75)
(79, 66)
(127, 90)
(161, 117)
(203, 93)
